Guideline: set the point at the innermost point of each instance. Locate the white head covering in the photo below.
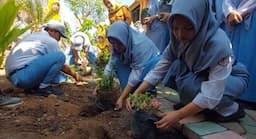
(80, 40)
(58, 26)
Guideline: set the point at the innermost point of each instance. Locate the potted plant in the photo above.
(145, 102)
(106, 90)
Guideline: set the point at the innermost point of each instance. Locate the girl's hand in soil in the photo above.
(129, 105)
(119, 104)
(168, 120)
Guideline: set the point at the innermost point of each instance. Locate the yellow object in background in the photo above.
(102, 42)
(53, 10)
(117, 12)
(120, 13)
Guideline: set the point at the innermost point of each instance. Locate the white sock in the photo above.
(227, 111)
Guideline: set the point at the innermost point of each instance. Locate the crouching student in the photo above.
(133, 55)
(37, 61)
(199, 64)
(80, 42)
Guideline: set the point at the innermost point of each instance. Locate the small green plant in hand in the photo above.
(145, 102)
(104, 82)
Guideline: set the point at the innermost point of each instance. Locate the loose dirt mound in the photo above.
(73, 115)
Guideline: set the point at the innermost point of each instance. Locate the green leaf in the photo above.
(7, 32)
(7, 18)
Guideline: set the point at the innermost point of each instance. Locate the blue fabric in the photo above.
(60, 78)
(70, 57)
(219, 13)
(245, 8)
(188, 84)
(244, 47)
(191, 61)
(164, 6)
(123, 71)
(209, 46)
(217, 7)
(210, 43)
(92, 58)
(139, 48)
(44, 69)
(139, 52)
(158, 32)
(30, 48)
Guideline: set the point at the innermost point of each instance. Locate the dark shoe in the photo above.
(48, 91)
(9, 101)
(216, 117)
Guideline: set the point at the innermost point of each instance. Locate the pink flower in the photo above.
(155, 103)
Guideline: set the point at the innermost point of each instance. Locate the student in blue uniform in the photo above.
(37, 61)
(133, 55)
(156, 27)
(199, 64)
(241, 29)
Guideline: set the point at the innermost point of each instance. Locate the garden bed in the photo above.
(73, 115)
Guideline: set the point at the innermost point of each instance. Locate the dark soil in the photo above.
(73, 115)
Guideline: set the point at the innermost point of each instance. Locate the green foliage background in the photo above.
(8, 32)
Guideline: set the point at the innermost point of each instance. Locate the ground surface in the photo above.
(70, 116)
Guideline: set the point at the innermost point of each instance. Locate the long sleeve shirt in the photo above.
(242, 6)
(134, 76)
(212, 90)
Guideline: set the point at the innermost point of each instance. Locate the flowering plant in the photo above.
(145, 102)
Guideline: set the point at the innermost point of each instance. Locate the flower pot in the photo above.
(107, 99)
